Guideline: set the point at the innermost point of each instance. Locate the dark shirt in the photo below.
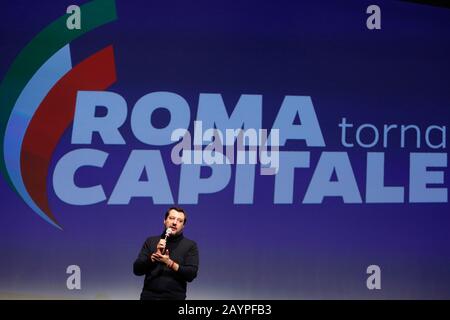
(161, 282)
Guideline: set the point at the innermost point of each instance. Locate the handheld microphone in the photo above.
(168, 233)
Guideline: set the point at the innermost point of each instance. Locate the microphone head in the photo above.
(168, 232)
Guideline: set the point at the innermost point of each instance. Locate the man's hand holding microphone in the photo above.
(162, 254)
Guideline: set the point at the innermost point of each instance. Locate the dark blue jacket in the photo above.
(160, 281)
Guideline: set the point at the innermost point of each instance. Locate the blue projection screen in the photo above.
(307, 141)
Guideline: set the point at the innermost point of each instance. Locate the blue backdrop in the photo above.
(397, 75)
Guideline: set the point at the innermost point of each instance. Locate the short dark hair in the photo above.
(176, 209)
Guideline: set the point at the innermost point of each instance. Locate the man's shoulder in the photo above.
(189, 242)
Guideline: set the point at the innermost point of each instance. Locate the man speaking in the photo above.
(168, 261)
